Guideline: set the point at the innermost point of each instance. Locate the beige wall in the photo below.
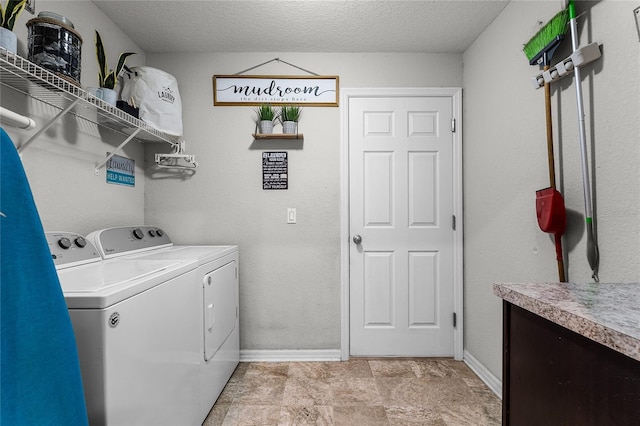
(505, 160)
(290, 274)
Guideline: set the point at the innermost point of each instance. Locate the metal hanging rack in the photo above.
(176, 160)
(38, 83)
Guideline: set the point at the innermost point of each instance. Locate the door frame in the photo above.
(455, 93)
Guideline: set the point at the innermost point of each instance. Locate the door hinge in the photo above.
(455, 320)
(453, 125)
(453, 222)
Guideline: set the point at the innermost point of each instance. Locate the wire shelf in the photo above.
(30, 79)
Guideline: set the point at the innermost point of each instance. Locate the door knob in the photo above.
(357, 239)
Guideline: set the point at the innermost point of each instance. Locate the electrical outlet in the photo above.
(291, 215)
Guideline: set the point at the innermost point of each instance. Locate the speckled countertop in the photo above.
(606, 313)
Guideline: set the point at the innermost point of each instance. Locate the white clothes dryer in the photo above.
(136, 332)
(217, 279)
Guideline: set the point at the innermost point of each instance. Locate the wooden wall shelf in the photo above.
(277, 136)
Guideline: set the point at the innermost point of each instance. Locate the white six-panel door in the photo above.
(401, 202)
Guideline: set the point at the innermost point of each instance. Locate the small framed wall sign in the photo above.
(275, 170)
(121, 171)
(241, 90)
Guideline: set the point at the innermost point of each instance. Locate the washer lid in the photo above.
(102, 284)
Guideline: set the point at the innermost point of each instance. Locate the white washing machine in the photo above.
(217, 280)
(136, 331)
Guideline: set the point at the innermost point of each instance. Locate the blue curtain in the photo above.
(39, 370)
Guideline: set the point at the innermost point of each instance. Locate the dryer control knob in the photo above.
(138, 234)
(160, 232)
(64, 243)
(152, 233)
(80, 242)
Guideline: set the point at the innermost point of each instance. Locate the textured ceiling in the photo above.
(433, 26)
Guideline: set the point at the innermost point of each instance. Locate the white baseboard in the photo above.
(248, 355)
(484, 374)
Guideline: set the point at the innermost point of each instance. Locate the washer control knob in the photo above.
(80, 242)
(64, 243)
(152, 233)
(138, 234)
(159, 232)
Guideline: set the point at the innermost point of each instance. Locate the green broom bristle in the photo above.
(555, 27)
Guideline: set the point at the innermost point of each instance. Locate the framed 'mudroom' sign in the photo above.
(241, 90)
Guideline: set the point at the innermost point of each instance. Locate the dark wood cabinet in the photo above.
(554, 376)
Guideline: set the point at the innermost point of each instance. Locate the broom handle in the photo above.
(552, 173)
(550, 153)
(559, 258)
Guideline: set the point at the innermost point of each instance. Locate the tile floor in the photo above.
(358, 392)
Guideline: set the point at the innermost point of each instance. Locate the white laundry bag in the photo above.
(156, 94)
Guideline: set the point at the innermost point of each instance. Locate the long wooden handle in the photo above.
(552, 173)
(550, 153)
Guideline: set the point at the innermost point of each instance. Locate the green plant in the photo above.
(290, 113)
(107, 78)
(266, 112)
(11, 13)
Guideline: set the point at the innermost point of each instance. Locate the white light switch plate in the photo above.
(291, 215)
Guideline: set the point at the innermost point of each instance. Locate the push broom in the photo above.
(550, 208)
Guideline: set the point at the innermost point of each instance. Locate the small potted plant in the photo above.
(289, 117)
(107, 79)
(266, 116)
(9, 15)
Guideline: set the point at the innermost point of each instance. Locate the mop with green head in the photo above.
(593, 253)
(550, 208)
